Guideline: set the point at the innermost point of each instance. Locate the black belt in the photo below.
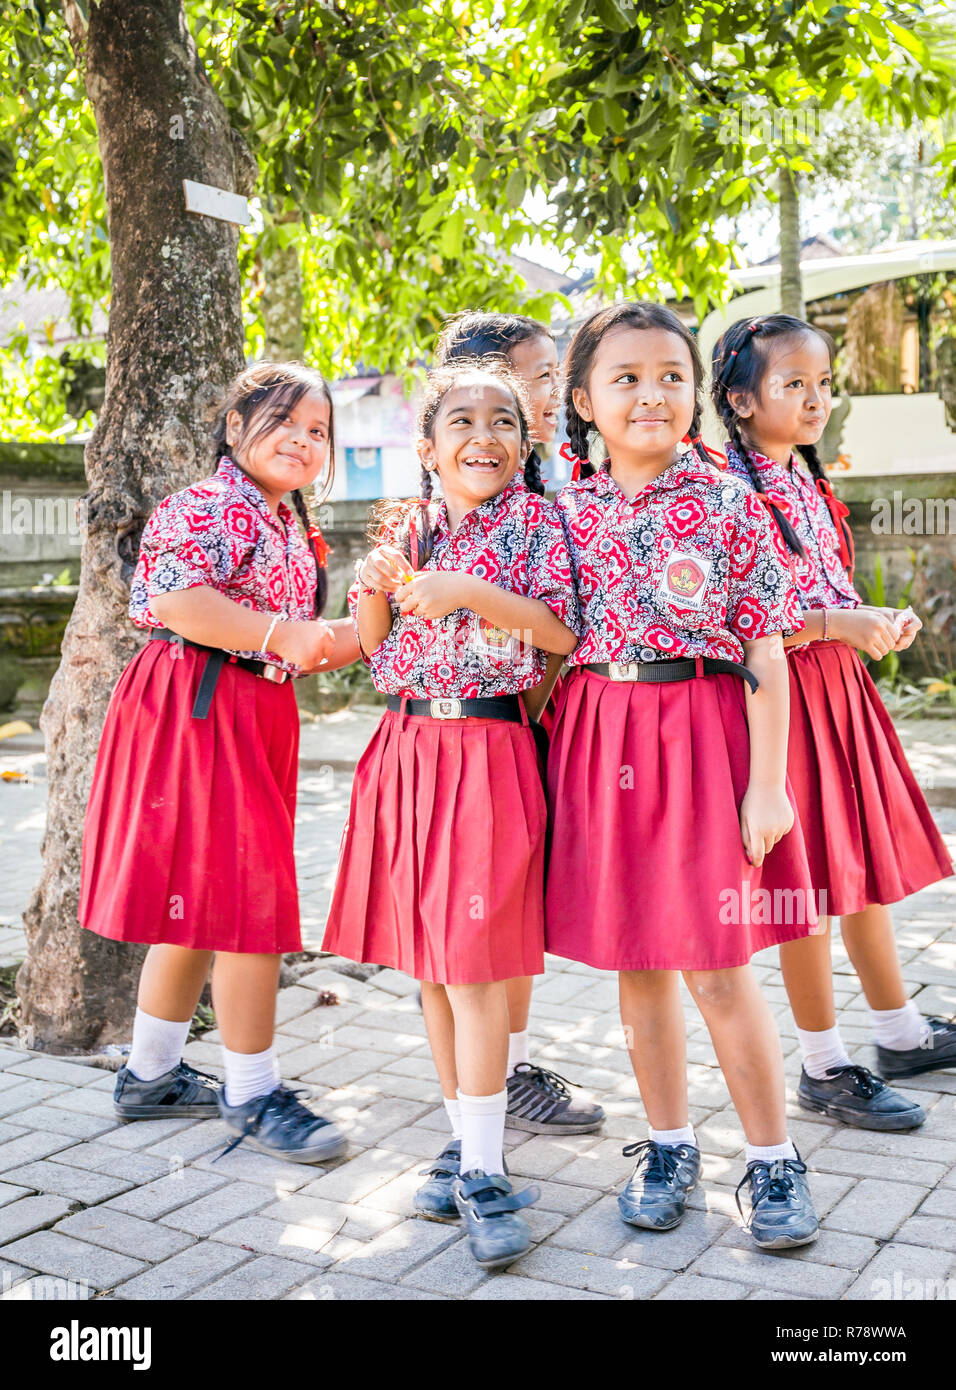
(217, 660)
(500, 707)
(663, 672)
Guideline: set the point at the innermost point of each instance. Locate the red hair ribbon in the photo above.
(413, 539)
(838, 513)
(720, 460)
(319, 548)
(568, 453)
(762, 497)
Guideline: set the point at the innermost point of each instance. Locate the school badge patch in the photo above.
(684, 581)
(491, 641)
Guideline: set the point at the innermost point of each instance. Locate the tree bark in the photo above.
(791, 281)
(175, 339)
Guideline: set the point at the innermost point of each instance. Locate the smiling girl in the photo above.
(667, 774)
(189, 829)
(441, 867)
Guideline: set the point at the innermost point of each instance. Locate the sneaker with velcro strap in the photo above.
(282, 1127)
(857, 1097)
(181, 1093)
(539, 1101)
(434, 1199)
(664, 1176)
(781, 1213)
(491, 1212)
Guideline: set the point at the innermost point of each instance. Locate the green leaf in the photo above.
(734, 191)
(452, 238)
(597, 121)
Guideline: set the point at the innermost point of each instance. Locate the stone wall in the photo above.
(905, 522)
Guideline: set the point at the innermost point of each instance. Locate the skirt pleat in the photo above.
(441, 864)
(647, 870)
(189, 829)
(869, 833)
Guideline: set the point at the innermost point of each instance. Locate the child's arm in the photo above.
(872, 630)
(436, 593)
(202, 614)
(765, 812)
(536, 698)
(382, 570)
(346, 649)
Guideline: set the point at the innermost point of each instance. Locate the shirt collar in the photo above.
(234, 475)
(686, 468)
(485, 512)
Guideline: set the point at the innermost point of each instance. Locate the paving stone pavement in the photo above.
(92, 1208)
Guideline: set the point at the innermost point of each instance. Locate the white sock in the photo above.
(250, 1074)
(157, 1045)
(482, 1132)
(770, 1152)
(899, 1029)
(674, 1136)
(822, 1049)
(453, 1111)
(517, 1050)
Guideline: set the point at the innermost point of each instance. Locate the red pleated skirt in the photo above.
(551, 708)
(441, 867)
(870, 835)
(647, 870)
(189, 828)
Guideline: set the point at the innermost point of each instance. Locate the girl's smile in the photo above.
(476, 445)
(291, 454)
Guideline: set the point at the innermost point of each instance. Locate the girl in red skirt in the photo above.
(441, 867)
(189, 829)
(870, 836)
(538, 1099)
(667, 774)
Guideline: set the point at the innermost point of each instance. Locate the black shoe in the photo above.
(182, 1093)
(857, 1097)
(938, 1051)
(539, 1100)
(657, 1191)
(781, 1208)
(282, 1127)
(491, 1212)
(434, 1199)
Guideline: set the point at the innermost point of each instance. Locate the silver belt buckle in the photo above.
(623, 670)
(445, 709)
(274, 673)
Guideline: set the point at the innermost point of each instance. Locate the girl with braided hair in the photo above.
(870, 836)
(670, 812)
(538, 1099)
(441, 869)
(188, 843)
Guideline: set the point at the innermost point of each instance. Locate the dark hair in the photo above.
(476, 335)
(258, 394)
(740, 362)
(393, 521)
(584, 344)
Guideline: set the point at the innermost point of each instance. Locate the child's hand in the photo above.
(908, 625)
(765, 817)
(433, 594)
(869, 629)
(306, 645)
(384, 569)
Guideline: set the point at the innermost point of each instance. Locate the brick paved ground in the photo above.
(146, 1211)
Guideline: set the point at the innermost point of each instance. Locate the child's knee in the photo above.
(715, 989)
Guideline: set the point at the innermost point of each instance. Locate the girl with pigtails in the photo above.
(670, 813)
(442, 860)
(870, 836)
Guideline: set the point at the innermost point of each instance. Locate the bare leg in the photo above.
(172, 981)
(244, 999)
(807, 971)
(748, 1049)
(657, 1041)
(519, 1003)
(481, 1036)
(440, 1023)
(871, 945)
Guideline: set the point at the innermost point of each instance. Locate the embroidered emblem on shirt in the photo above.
(490, 640)
(684, 580)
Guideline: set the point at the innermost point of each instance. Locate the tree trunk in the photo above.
(282, 303)
(175, 339)
(791, 283)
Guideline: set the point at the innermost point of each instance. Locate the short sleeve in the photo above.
(761, 597)
(549, 567)
(186, 545)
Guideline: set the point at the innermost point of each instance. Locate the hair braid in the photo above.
(697, 443)
(321, 572)
(578, 430)
(532, 473)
